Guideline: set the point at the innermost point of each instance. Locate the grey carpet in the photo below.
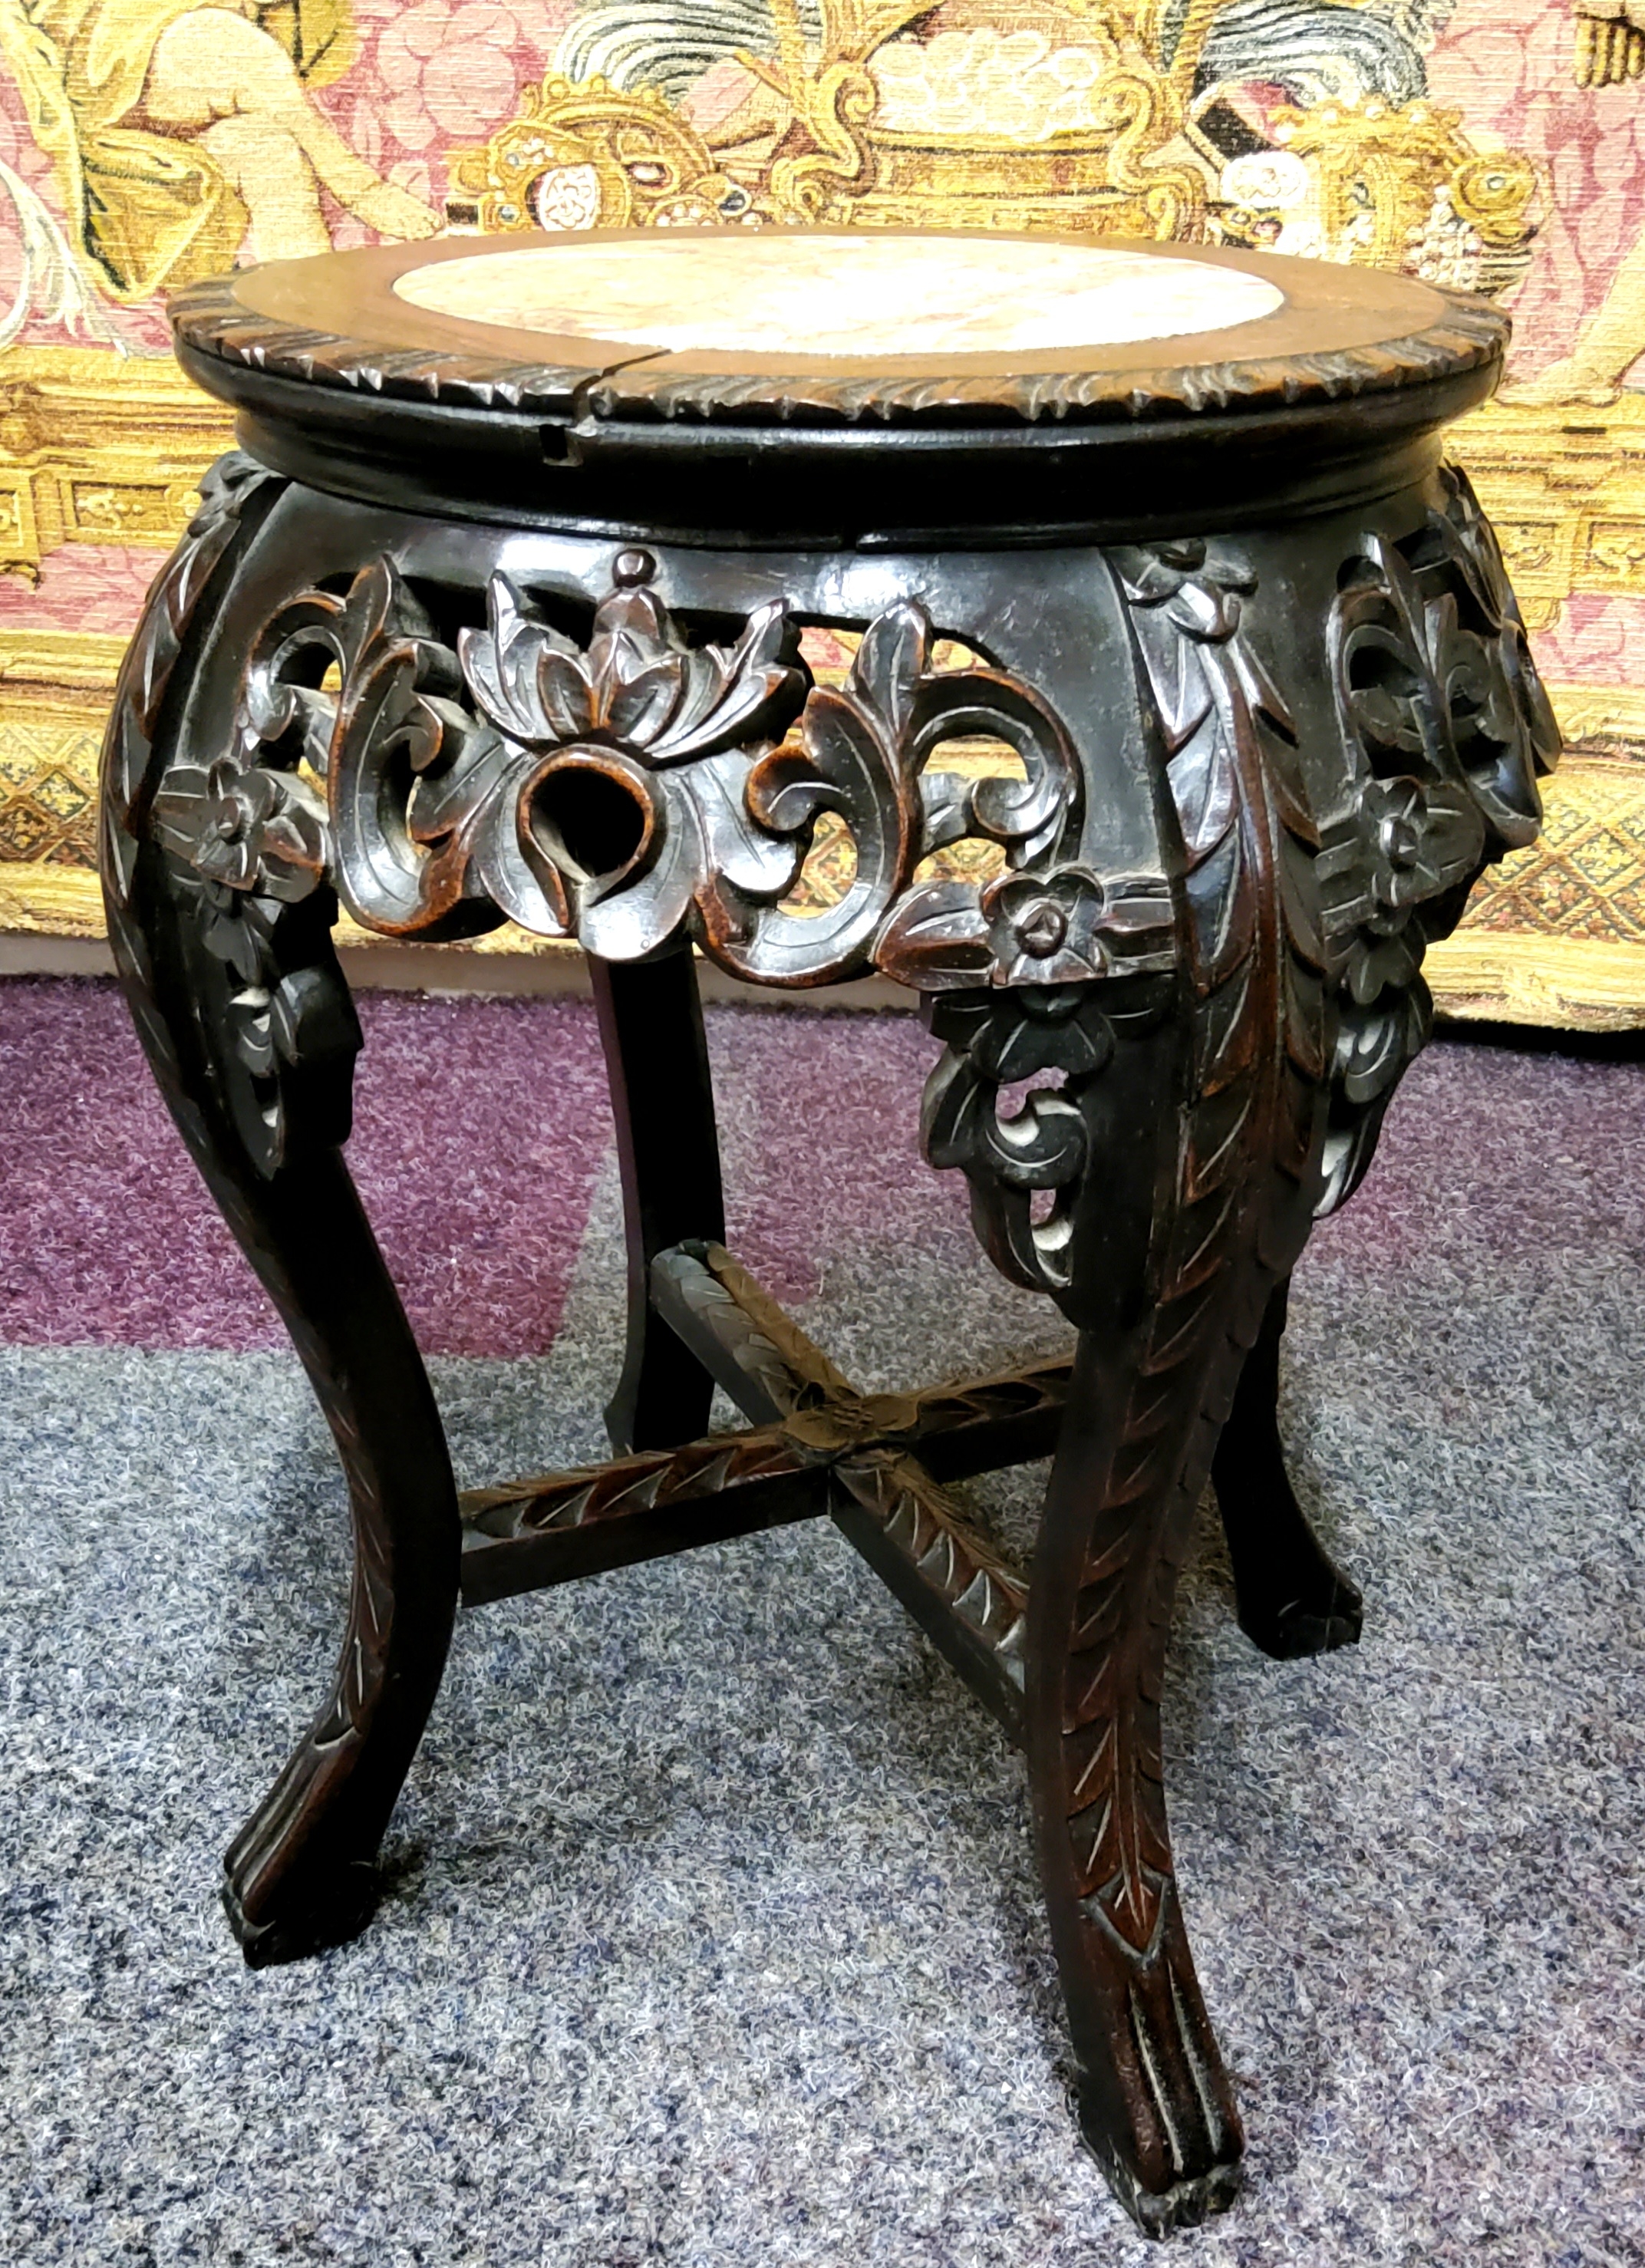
(713, 1938)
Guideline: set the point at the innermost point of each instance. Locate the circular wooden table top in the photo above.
(781, 385)
(793, 325)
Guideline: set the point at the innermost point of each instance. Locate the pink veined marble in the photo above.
(856, 295)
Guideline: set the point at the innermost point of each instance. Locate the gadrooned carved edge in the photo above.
(210, 318)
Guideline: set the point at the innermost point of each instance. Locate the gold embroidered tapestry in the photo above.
(1498, 145)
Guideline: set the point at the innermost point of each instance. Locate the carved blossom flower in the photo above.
(245, 829)
(1064, 926)
(1046, 929)
(1419, 839)
(847, 1423)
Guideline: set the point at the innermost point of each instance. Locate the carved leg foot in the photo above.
(1293, 1599)
(662, 1098)
(300, 1876)
(1160, 2119)
(1155, 2103)
(221, 925)
(339, 1910)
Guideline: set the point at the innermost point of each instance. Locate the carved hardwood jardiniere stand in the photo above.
(498, 615)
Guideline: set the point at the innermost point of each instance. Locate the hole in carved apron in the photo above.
(588, 817)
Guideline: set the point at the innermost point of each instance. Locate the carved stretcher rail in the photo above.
(874, 1462)
(920, 1543)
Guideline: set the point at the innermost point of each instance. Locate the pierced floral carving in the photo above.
(250, 849)
(1449, 729)
(645, 785)
(255, 843)
(1026, 1156)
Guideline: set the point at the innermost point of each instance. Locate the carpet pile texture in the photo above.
(711, 1935)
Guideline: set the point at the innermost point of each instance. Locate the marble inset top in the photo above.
(862, 295)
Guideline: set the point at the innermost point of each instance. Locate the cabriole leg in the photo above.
(1159, 1190)
(222, 933)
(1293, 1599)
(1155, 1256)
(1155, 2102)
(301, 1875)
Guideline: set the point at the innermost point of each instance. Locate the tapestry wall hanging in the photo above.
(1498, 145)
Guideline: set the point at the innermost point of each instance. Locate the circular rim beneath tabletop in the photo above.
(337, 321)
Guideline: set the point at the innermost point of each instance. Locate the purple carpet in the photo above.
(479, 1126)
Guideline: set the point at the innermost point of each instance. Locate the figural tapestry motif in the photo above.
(1497, 145)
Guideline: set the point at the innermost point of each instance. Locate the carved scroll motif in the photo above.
(643, 786)
(1448, 729)
(1025, 982)
(1026, 1155)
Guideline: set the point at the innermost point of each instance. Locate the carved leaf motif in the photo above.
(230, 485)
(936, 938)
(1255, 964)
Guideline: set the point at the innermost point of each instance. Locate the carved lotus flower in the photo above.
(638, 688)
(613, 786)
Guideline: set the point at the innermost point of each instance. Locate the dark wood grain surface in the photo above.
(337, 319)
(462, 640)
